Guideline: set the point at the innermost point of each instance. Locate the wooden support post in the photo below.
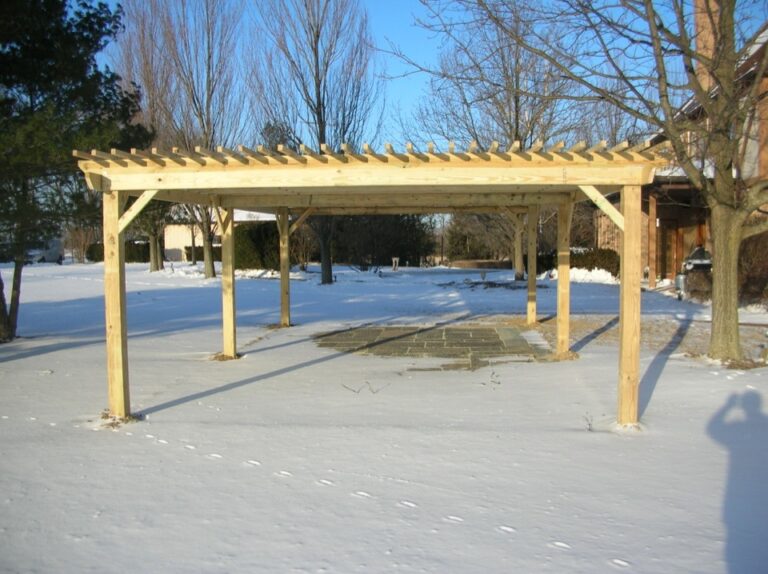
(533, 229)
(285, 267)
(114, 301)
(629, 307)
(228, 313)
(564, 214)
(651, 240)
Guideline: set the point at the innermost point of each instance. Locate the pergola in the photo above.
(295, 185)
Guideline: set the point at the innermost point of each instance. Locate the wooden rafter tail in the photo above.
(536, 146)
(599, 147)
(620, 147)
(514, 147)
(188, 156)
(452, 152)
(307, 151)
(557, 147)
(473, 147)
(149, 156)
(432, 152)
(265, 151)
(662, 146)
(84, 155)
(229, 154)
(350, 153)
(288, 152)
(171, 155)
(252, 154)
(494, 149)
(391, 152)
(578, 147)
(128, 157)
(210, 154)
(412, 152)
(328, 152)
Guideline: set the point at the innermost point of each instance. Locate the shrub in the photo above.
(257, 246)
(606, 259)
(95, 252)
(753, 269)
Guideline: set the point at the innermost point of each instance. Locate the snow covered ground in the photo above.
(302, 459)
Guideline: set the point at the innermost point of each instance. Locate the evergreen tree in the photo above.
(53, 98)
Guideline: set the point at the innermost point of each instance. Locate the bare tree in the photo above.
(317, 76)
(185, 56)
(701, 88)
(487, 88)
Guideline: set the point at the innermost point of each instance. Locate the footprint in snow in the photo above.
(190, 446)
(361, 494)
(407, 504)
(284, 474)
(324, 482)
(506, 529)
(561, 545)
(253, 462)
(162, 441)
(214, 456)
(618, 562)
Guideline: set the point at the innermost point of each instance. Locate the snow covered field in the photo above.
(302, 459)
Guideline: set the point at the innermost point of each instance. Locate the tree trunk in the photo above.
(13, 315)
(160, 254)
(193, 227)
(153, 253)
(323, 228)
(210, 271)
(5, 330)
(724, 343)
(519, 265)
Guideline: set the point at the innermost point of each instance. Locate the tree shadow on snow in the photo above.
(741, 427)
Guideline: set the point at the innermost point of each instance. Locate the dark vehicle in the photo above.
(695, 277)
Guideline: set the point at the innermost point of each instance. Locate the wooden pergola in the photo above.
(295, 185)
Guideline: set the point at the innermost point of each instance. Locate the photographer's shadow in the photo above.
(741, 426)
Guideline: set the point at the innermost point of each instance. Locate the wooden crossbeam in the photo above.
(149, 156)
(135, 209)
(265, 151)
(329, 153)
(79, 154)
(129, 157)
(603, 205)
(598, 147)
(210, 154)
(171, 155)
(288, 152)
(620, 147)
(229, 154)
(252, 154)
(309, 152)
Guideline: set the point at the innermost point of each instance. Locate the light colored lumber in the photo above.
(252, 154)
(229, 154)
(533, 230)
(210, 154)
(285, 267)
(228, 308)
(536, 146)
(652, 231)
(603, 205)
(132, 212)
(564, 215)
(155, 158)
(302, 218)
(629, 307)
(288, 152)
(578, 147)
(129, 157)
(114, 304)
(599, 147)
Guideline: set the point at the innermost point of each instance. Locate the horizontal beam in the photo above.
(363, 175)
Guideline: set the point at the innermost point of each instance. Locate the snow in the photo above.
(297, 458)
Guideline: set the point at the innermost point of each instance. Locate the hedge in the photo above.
(135, 252)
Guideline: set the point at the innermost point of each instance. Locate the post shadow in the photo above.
(652, 374)
(745, 505)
